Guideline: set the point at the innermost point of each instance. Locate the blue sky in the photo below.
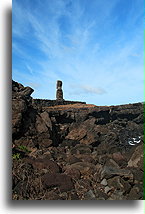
(94, 46)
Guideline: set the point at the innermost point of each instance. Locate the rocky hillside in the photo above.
(75, 151)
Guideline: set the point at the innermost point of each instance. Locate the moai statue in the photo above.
(59, 92)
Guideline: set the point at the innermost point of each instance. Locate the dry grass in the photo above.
(70, 106)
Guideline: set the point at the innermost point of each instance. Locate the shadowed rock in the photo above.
(62, 181)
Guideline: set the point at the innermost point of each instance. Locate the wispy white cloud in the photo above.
(89, 89)
(29, 69)
(86, 89)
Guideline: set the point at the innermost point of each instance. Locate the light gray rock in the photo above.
(104, 182)
(107, 189)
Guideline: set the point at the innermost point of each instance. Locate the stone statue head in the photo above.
(59, 84)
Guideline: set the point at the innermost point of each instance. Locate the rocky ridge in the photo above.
(75, 151)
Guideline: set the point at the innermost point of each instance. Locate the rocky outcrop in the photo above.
(76, 151)
(21, 102)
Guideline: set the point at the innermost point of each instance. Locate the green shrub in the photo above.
(24, 148)
(16, 156)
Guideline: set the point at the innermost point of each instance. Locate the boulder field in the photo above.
(75, 151)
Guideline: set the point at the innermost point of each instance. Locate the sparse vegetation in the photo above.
(24, 148)
(16, 156)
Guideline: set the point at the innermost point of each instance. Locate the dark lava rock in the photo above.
(90, 195)
(72, 159)
(75, 151)
(51, 195)
(44, 164)
(119, 184)
(119, 158)
(136, 193)
(84, 168)
(72, 172)
(109, 172)
(62, 181)
(136, 159)
(81, 149)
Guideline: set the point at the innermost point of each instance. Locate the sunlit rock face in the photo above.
(75, 151)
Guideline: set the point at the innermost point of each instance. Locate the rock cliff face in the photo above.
(75, 151)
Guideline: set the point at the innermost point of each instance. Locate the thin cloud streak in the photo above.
(86, 89)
